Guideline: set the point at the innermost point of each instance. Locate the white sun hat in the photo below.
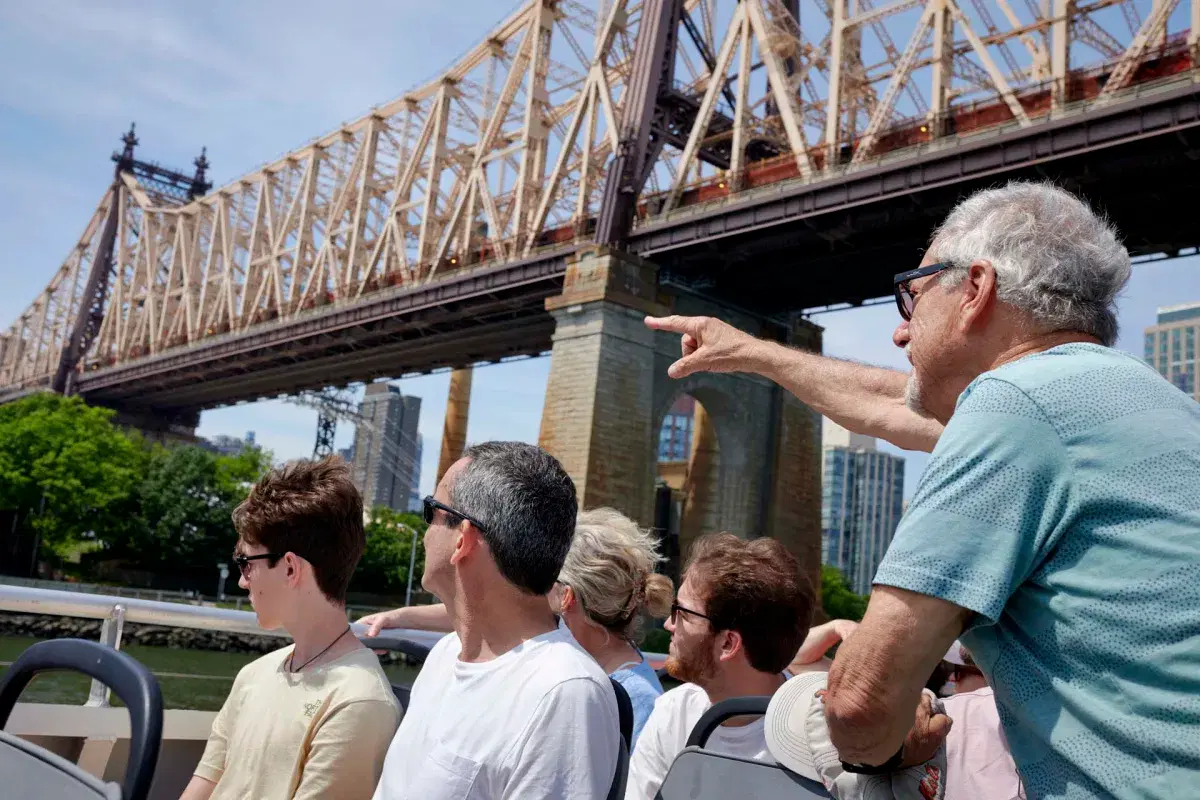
(798, 738)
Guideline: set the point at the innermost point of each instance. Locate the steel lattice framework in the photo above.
(573, 123)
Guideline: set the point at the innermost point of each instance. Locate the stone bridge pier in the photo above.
(755, 468)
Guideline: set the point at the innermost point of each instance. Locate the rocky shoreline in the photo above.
(44, 626)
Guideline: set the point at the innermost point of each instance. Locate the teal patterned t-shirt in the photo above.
(1062, 504)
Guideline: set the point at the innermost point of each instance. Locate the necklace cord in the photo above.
(292, 657)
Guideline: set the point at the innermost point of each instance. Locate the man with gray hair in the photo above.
(509, 705)
(1056, 528)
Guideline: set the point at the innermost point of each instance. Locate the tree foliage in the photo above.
(71, 475)
(65, 469)
(837, 599)
(384, 565)
(183, 506)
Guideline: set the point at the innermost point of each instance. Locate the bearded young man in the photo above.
(741, 613)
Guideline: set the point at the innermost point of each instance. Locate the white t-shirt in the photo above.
(540, 721)
(666, 733)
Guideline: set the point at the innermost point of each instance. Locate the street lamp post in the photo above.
(412, 562)
(224, 572)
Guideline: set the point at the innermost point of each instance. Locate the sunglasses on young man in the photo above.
(243, 561)
(905, 301)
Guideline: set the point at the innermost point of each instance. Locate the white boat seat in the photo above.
(699, 774)
(27, 770)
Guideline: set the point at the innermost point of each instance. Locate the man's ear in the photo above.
(293, 567)
(467, 540)
(731, 645)
(978, 295)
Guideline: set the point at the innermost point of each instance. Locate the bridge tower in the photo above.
(608, 389)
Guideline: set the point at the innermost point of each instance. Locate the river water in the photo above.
(190, 679)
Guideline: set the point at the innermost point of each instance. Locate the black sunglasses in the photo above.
(904, 298)
(430, 506)
(243, 561)
(676, 608)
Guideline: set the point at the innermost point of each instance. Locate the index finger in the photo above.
(674, 324)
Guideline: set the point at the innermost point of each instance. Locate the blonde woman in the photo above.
(605, 585)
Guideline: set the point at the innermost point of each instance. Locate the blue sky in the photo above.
(252, 81)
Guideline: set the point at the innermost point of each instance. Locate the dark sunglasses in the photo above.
(676, 608)
(430, 506)
(243, 561)
(903, 281)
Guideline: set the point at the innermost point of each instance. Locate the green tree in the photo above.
(837, 599)
(384, 565)
(183, 507)
(65, 469)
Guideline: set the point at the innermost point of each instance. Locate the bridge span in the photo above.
(589, 162)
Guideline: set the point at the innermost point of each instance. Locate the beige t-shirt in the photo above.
(320, 733)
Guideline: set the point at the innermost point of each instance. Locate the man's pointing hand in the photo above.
(708, 345)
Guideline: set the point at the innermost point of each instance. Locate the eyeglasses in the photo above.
(430, 506)
(676, 608)
(243, 561)
(905, 301)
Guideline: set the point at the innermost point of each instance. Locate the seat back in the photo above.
(625, 725)
(403, 695)
(624, 711)
(699, 774)
(131, 681)
(27, 770)
(617, 790)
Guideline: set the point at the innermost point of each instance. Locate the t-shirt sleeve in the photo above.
(653, 755)
(346, 756)
(212, 764)
(569, 748)
(989, 506)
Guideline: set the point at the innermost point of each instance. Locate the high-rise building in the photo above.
(862, 502)
(1171, 346)
(414, 494)
(385, 448)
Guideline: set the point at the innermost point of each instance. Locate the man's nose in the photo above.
(669, 624)
(900, 336)
(243, 583)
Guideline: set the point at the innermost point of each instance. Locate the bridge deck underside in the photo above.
(843, 240)
(486, 316)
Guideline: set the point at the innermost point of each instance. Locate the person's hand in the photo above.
(822, 637)
(928, 732)
(708, 344)
(380, 620)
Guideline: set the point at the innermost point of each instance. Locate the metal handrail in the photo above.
(116, 611)
(54, 602)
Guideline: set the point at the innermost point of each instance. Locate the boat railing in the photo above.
(116, 611)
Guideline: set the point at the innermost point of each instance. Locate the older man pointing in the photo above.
(1057, 525)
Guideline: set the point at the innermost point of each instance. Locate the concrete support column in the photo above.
(794, 506)
(755, 466)
(698, 493)
(454, 431)
(599, 416)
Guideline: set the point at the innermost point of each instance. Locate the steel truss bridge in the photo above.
(776, 154)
